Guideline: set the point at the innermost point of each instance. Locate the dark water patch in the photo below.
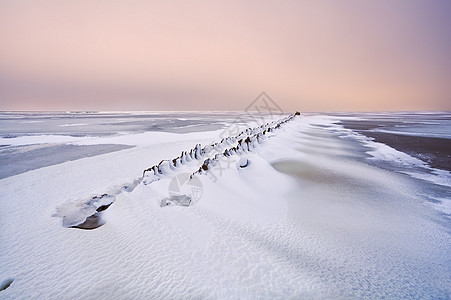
(432, 150)
(8, 136)
(369, 124)
(17, 160)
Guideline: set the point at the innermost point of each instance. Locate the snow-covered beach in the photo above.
(314, 209)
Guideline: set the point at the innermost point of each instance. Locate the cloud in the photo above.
(321, 55)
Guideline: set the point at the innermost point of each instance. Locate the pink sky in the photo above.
(212, 55)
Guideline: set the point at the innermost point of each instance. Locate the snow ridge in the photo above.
(86, 214)
(243, 143)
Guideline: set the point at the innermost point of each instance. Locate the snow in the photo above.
(303, 219)
(146, 138)
(37, 139)
(73, 124)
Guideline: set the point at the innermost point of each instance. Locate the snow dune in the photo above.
(305, 218)
(86, 213)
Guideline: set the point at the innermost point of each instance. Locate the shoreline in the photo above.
(432, 150)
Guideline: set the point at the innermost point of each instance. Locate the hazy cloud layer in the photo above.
(211, 55)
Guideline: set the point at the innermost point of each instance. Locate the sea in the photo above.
(416, 144)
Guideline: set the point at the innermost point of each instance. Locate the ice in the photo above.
(386, 153)
(307, 217)
(21, 159)
(73, 124)
(402, 162)
(76, 213)
(37, 139)
(440, 177)
(182, 200)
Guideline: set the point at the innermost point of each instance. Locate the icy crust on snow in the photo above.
(306, 218)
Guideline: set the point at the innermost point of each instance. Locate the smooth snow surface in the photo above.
(300, 215)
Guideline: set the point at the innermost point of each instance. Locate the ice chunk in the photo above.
(181, 200)
(76, 213)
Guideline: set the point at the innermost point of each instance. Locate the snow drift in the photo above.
(86, 214)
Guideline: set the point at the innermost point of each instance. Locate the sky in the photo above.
(318, 55)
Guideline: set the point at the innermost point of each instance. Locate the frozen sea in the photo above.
(344, 205)
(37, 139)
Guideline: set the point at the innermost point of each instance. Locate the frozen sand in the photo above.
(325, 225)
